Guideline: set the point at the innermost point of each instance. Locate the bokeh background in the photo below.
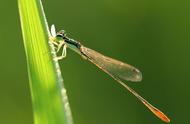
(152, 35)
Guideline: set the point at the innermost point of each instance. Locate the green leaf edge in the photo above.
(49, 98)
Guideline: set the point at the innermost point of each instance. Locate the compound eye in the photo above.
(61, 33)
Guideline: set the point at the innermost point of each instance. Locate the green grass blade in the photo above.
(50, 104)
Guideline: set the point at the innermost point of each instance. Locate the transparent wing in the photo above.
(119, 70)
(114, 67)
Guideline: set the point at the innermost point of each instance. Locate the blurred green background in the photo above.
(154, 36)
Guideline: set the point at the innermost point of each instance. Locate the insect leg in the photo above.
(64, 53)
(60, 45)
(52, 39)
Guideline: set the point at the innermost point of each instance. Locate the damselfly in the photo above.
(116, 69)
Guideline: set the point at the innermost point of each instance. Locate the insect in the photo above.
(116, 69)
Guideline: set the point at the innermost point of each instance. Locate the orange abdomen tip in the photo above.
(157, 112)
